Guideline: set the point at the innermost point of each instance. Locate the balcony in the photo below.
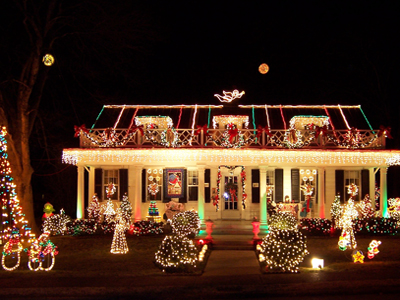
(223, 138)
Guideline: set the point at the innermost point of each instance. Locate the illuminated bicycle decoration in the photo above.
(42, 254)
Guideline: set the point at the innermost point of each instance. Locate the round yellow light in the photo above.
(48, 60)
(263, 68)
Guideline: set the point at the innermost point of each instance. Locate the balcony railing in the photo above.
(222, 138)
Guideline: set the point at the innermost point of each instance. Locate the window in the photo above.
(349, 178)
(193, 185)
(111, 176)
(270, 185)
(154, 184)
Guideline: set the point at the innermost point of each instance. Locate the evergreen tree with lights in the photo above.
(336, 210)
(94, 209)
(109, 212)
(11, 210)
(126, 208)
(284, 247)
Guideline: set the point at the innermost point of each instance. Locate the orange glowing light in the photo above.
(263, 68)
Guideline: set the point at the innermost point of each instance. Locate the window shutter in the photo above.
(295, 185)
(207, 194)
(364, 183)
(184, 187)
(255, 191)
(98, 183)
(278, 185)
(123, 182)
(144, 185)
(339, 184)
(165, 188)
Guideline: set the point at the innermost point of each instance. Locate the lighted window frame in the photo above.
(111, 176)
(193, 185)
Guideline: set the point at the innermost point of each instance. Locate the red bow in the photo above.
(79, 129)
(232, 133)
(385, 131)
(320, 130)
(135, 128)
(260, 130)
(203, 128)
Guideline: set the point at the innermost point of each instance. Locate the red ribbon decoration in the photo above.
(203, 128)
(232, 134)
(79, 129)
(135, 128)
(386, 131)
(320, 130)
(260, 130)
(233, 194)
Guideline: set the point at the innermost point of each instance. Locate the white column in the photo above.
(80, 200)
(135, 191)
(321, 192)
(372, 186)
(200, 196)
(263, 197)
(383, 197)
(330, 189)
(91, 183)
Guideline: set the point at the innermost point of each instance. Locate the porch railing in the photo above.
(222, 138)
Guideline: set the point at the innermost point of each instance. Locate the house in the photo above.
(230, 161)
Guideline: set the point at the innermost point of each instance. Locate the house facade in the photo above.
(231, 161)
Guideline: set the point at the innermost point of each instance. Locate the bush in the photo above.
(282, 251)
(177, 254)
(316, 226)
(186, 223)
(283, 220)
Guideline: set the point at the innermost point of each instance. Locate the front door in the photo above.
(231, 197)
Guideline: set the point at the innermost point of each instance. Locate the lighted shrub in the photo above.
(282, 251)
(186, 223)
(282, 220)
(177, 254)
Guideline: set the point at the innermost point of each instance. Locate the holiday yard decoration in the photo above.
(42, 253)
(126, 209)
(307, 189)
(177, 252)
(48, 211)
(282, 251)
(11, 211)
(336, 211)
(365, 209)
(373, 248)
(119, 244)
(358, 256)
(108, 211)
(94, 209)
(12, 251)
(283, 220)
(56, 224)
(186, 223)
(284, 247)
(350, 213)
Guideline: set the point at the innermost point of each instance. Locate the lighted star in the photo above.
(358, 257)
(229, 96)
(48, 60)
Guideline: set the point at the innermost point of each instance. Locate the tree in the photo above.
(72, 29)
(126, 209)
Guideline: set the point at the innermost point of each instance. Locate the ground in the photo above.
(85, 268)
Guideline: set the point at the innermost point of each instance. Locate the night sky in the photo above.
(184, 52)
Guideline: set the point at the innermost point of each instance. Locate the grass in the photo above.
(90, 256)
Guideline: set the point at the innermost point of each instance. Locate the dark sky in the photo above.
(318, 51)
